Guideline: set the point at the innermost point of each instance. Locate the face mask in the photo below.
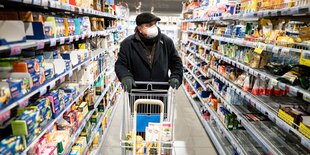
(152, 32)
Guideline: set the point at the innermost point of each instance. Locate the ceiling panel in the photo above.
(160, 6)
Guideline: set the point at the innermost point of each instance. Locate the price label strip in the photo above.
(15, 50)
(53, 42)
(40, 45)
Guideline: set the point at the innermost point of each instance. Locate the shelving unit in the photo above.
(215, 31)
(100, 47)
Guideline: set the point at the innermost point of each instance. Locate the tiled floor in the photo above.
(191, 139)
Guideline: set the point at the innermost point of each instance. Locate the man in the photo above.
(148, 55)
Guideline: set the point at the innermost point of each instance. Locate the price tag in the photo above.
(83, 36)
(256, 74)
(70, 73)
(5, 115)
(282, 85)
(266, 13)
(77, 37)
(305, 142)
(52, 85)
(274, 12)
(294, 10)
(275, 49)
(43, 90)
(274, 82)
(262, 76)
(27, 1)
(285, 50)
(53, 42)
(52, 4)
(89, 35)
(293, 90)
(40, 45)
(306, 97)
(251, 71)
(62, 40)
(283, 125)
(44, 2)
(79, 67)
(62, 79)
(71, 38)
(285, 11)
(15, 50)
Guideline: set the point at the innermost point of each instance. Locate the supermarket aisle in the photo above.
(191, 139)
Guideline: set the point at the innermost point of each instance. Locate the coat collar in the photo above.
(140, 50)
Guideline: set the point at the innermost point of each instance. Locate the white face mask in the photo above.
(152, 32)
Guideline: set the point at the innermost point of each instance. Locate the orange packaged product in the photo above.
(27, 66)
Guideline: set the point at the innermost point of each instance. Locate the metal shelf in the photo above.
(15, 49)
(50, 125)
(200, 33)
(199, 44)
(294, 90)
(229, 135)
(269, 47)
(197, 79)
(195, 65)
(51, 83)
(85, 120)
(207, 127)
(52, 5)
(109, 124)
(297, 10)
(264, 109)
(197, 55)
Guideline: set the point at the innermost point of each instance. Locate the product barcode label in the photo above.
(15, 50)
(40, 45)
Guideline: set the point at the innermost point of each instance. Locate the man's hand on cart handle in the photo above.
(174, 83)
(127, 83)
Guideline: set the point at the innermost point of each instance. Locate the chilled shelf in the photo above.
(15, 49)
(215, 139)
(297, 10)
(264, 109)
(51, 83)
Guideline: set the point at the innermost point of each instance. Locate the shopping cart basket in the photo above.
(151, 109)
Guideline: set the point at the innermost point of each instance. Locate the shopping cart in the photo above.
(151, 108)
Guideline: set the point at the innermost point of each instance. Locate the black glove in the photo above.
(174, 83)
(127, 83)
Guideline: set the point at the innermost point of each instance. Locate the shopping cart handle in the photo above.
(152, 83)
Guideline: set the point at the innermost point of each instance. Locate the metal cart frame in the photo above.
(152, 104)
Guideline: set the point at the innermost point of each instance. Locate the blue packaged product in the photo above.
(68, 64)
(16, 88)
(49, 74)
(36, 80)
(11, 145)
(26, 123)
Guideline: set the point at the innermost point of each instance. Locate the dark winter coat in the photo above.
(132, 61)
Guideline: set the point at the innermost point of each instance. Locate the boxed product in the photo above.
(12, 32)
(35, 31)
(5, 94)
(11, 145)
(83, 109)
(27, 124)
(30, 66)
(55, 103)
(50, 28)
(59, 65)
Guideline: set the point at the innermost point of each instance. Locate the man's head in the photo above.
(146, 25)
